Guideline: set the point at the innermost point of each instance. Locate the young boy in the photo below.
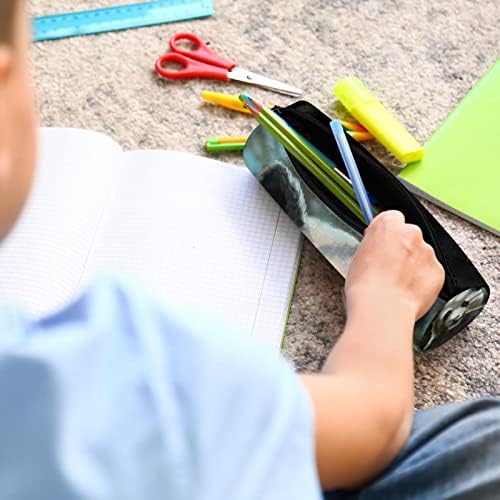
(118, 397)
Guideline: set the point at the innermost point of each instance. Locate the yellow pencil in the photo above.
(225, 100)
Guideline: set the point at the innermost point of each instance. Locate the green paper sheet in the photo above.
(461, 167)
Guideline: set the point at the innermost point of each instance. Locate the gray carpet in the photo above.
(420, 57)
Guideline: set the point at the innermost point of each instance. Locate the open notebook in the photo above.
(195, 231)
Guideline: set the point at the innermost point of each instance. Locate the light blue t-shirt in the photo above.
(120, 397)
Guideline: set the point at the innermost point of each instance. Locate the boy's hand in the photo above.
(363, 400)
(394, 263)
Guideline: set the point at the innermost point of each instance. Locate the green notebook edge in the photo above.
(293, 291)
(430, 177)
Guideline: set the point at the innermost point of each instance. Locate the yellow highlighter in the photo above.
(371, 113)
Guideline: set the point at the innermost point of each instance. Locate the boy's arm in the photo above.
(363, 399)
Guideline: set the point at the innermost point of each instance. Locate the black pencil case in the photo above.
(332, 228)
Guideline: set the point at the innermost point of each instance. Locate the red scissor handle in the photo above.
(200, 52)
(190, 68)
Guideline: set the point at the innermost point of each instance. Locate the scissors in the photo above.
(201, 62)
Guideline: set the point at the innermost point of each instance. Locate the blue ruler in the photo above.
(118, 18)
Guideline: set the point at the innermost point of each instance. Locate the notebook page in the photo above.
(279, 282)
(42, 260)
(203, 234)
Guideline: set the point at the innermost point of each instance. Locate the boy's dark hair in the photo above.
(7, 19)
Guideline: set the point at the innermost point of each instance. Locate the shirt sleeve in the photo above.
(121, 397)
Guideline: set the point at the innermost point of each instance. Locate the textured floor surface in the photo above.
(420, 57)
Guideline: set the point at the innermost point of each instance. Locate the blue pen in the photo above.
(352, 169)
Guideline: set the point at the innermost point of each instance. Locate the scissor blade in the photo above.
(245, 76)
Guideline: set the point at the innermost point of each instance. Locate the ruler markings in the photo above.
(119, 17)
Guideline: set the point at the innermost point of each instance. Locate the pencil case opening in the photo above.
(337, 233)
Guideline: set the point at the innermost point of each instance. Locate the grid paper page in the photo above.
(279, 283)
(42, 260)
(203, 234)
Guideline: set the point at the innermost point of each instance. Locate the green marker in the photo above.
(225, 144)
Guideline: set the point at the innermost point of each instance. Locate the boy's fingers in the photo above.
(388, 219)
(429, 249)
(415, 233)
(390, 216)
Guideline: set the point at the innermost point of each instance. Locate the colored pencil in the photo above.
(360, 136)
(311, 158)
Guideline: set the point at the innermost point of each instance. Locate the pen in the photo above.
(352, 169)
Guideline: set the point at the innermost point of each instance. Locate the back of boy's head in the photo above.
(7, 18)
(17, 114)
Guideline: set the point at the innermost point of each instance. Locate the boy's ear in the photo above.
(6, 59)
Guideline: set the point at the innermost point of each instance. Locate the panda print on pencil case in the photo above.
(305, 210)
(286, 191)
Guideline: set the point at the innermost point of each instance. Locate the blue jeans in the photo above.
(453, 452)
